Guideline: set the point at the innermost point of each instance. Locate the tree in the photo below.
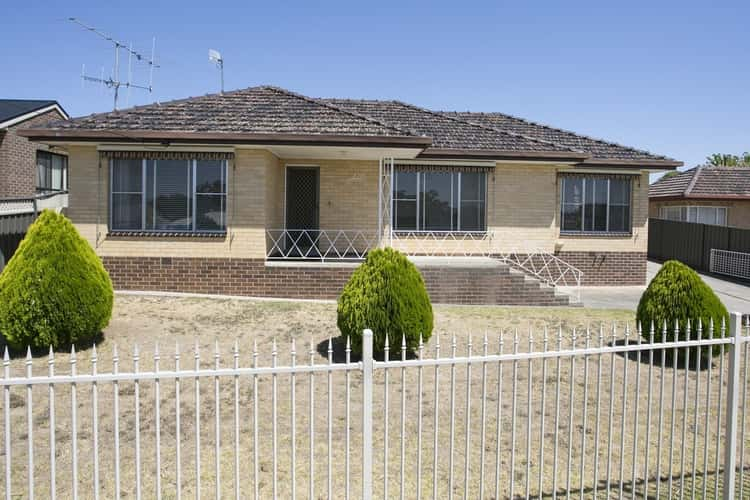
(729, 160)
(55, 290)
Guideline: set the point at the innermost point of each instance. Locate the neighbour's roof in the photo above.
(704, 182)
(10, 109)
(271, 113)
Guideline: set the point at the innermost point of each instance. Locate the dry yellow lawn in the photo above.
(146, 321)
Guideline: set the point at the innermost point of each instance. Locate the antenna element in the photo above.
(114, 81)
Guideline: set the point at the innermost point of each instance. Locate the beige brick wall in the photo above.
(738, 212)
(246, 210)
(523, 208)
(636, 242)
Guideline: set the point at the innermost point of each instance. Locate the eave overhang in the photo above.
(169, 137)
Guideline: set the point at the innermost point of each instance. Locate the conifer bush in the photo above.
(54, 291)
(677, 293)
(387, 295)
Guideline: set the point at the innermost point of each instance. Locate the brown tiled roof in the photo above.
(599, 149)
(255, 110)
(704, 182)
(448, 132)
(259, 113)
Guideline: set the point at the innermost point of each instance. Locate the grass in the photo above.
(183, 322)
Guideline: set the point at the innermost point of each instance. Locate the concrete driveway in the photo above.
(736, 297)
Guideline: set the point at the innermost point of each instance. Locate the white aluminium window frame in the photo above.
(192, 194)
(686, 213)
(582, 204)
(455, 203)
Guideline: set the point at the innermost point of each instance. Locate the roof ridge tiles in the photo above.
(319, 102)
(486, 127)
(558, 129)
(696, 174)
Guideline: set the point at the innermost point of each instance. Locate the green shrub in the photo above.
(55, 290)
(677, 293)
(387, 295)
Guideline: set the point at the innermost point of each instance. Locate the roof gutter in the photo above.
(665, 164)
(168, 137)
(488, 154)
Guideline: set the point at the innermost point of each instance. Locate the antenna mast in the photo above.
(114, 81)
(215, 57)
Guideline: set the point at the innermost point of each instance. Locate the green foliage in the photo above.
(55, 290)
(677, 293)
(387, 295)
(729, 160)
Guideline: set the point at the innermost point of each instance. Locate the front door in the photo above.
(302, 211)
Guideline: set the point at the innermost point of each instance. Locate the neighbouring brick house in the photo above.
(267, 192)
(28, 167)
(706, 194)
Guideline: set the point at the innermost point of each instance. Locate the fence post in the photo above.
(733, 390)
(367, 365)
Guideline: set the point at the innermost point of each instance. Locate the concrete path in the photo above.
(736, 297)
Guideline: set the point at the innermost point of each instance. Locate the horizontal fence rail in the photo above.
(594, 412)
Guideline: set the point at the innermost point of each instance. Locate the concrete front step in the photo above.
(484, 281)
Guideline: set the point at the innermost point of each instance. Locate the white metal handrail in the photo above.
(443, 243)
(13, 206)
(548, 268)
(319, 244)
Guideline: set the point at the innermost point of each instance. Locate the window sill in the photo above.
(423, 232)
(592, 234)
(167, 234)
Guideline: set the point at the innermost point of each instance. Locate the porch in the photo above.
(437, 214)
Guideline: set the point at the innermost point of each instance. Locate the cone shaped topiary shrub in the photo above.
(678, 294)
(55, 290)
(387, 295)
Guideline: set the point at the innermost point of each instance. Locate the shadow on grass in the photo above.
(711, 481)
(40, 352)
(669, 356)
(338, 346)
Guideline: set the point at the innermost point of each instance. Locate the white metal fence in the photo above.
(586, 413)
(735, 264)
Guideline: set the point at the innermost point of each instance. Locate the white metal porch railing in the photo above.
(54, 201)
(584, 413)
(319, 244)
(353, 245)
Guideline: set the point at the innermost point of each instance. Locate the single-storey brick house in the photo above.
(706, 194)
(267, 192)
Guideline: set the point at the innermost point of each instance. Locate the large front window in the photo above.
(439, 200)
(168, 195)
(595, 204)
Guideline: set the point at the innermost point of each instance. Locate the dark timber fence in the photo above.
(691, 243)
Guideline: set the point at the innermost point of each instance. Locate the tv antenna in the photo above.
(114, 81)
(215, 57)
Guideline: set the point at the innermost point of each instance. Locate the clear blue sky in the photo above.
(670, 77)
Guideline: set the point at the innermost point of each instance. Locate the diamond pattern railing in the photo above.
(353, 245)
(319, 244)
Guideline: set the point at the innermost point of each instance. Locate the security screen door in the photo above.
(302, 210)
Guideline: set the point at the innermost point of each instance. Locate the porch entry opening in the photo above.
(302, 210)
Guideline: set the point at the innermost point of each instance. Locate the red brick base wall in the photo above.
(609, 268)
(251, 277)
